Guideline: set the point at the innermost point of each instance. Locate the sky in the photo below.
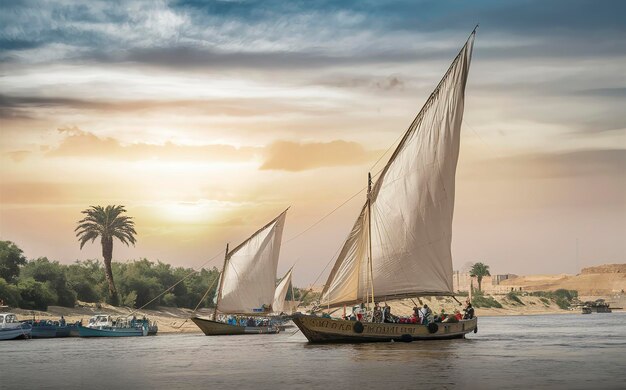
(206, 119)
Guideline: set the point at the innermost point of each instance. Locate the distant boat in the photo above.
(247, 285)
(400, 245)
(11, 328)
(102, 325)
(586, 310)
(44, 329)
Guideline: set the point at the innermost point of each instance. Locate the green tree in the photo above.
(11, 258)
(9, 293)
(107, 223)
(84, 278)
(35, 295)
(52, 274)
(479, 270)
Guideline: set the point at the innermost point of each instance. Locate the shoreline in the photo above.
(176, 321)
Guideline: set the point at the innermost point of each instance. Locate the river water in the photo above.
(538, 352)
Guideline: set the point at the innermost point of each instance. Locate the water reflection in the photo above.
(508, 353)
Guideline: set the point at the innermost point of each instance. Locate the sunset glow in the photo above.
(206, 122)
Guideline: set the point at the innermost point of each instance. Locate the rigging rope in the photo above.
(177, 283)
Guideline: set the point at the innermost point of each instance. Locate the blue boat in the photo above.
(103, 325)
(112, 331)
(42, 329)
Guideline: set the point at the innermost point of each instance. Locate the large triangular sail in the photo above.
(410, 206)
(280, 295)
(248, 280)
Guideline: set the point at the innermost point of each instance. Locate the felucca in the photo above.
(247, 284)
(400, 245)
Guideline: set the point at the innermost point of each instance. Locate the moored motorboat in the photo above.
(102, 325)
(113, 331)
(11, 328)
(42, 329)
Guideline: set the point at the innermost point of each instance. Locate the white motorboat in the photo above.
(11, 328)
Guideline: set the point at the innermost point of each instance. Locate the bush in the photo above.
(479, 300)
(51, 273)
(130, 299)
(562, 297)
(169, 299)
(514, 298)
(9, 293)
(35, 295)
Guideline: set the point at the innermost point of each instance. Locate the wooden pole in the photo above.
(293, 300)
(219, 292)
(369, 233)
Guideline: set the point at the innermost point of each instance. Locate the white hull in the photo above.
(16, 333)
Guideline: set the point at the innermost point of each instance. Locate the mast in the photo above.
(219, 292)
(369, 235)
(293, 300)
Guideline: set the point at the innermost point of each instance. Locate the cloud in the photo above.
(598, 162)
(79, 143)
(293, 156)
(18, 155)
(280, 155)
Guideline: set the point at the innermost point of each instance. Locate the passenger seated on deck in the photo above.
(387, 314)
(469, 312)
(378, 314)
(251, 322)
(458, 315)
(451, 318)
(358, 312)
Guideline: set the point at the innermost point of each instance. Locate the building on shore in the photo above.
(462, 282)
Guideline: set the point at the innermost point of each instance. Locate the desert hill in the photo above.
(602, 280)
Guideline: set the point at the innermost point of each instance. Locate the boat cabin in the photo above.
(100, 320)
(7, 320)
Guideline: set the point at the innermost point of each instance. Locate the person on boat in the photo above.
(62, 321)
(251, 322)
(458, 315)
(358, 311)
(427, 317)
(387, 317)
(441, 317)
(469, 312)
(378, 314)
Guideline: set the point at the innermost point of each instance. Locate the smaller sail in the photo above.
(249, 280)
(280, 296)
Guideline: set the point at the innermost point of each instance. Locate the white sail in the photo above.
(249, 278)
(411, 207)
(281, 294)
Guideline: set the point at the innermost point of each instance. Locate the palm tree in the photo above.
(478, 271)
(107, 223)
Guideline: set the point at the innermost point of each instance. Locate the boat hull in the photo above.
(330, 330)
(23, 332)
(84, 331)
(44, 332)
(216, 328)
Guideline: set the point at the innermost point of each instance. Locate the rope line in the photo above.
(177, 283)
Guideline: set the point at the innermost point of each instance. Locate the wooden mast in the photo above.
(369, 233)
(219, 292)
